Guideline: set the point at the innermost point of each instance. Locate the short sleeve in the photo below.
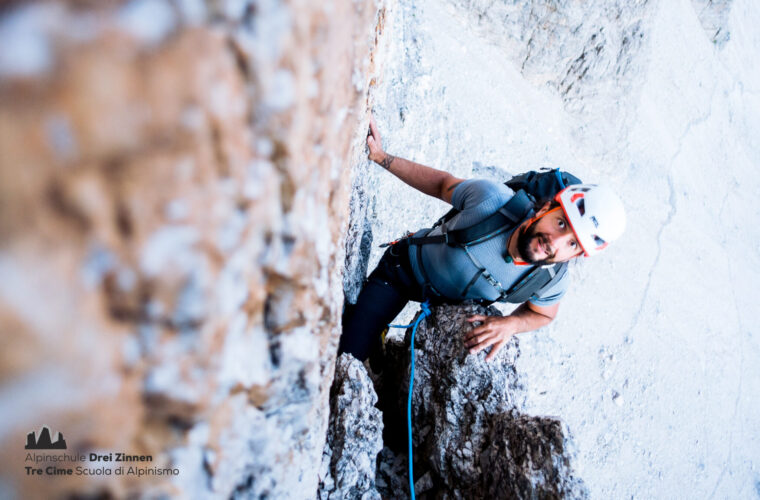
(552, 295)
(473, 192)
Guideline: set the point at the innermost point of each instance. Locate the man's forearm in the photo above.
(425, 179)
(524, 319)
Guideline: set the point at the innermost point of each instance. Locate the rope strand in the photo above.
(424, 312)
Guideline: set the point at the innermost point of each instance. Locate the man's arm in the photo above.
(431, 181)
(497, 330)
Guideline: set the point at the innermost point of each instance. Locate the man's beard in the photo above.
(524, 239)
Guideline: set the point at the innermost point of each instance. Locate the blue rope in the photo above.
(425, 308)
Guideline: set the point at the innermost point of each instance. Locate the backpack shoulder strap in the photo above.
(536, 282)
(505, 218)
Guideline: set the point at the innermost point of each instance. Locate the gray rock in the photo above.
(570, 44)
(354, 436)
(359, 237)
(590, 52)
(713, 15)
(526, 457)
(470, 438)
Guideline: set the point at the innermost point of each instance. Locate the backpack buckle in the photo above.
(445, 233)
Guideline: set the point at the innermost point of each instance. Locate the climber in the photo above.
(515, 265)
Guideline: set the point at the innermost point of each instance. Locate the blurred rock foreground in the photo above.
(174, 187)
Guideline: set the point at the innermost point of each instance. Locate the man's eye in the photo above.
(561, 223)
(574, 245)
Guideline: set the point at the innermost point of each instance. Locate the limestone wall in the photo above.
(174, 184)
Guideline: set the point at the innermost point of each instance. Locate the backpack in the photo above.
(530, 188)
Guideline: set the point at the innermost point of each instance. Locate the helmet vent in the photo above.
(581, 204)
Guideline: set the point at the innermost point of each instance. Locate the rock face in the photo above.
(588, 51)
(713, 15)
(354, 435)
(673, 129)
(470, 438)
(174, 189)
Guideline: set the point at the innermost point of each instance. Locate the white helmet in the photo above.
(596, 215)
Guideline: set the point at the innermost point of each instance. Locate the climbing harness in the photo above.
(424, 312)
(391, 243)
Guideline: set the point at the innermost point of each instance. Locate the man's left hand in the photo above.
(374, 142)
(494, 330)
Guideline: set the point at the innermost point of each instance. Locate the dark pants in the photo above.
(385, 293)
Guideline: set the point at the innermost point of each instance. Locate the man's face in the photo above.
(547, 239)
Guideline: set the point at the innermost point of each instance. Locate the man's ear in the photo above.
(545, 208)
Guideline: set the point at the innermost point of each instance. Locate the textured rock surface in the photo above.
(172, 201)
(470, 439)
(362, 210)
(589, 52)
(713, 14)
(654, 341)
(174, 186)
(354, 435)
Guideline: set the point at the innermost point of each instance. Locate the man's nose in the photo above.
(559, 240)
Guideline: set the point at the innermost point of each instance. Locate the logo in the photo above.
(596, 222)
(44, 442)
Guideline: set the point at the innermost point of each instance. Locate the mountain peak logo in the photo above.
(44, 442)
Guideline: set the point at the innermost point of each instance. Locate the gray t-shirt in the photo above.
(450, 269)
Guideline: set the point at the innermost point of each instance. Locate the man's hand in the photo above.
(494, 330)
(497, 330)
(375, 143)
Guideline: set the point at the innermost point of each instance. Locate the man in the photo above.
(580, 220)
